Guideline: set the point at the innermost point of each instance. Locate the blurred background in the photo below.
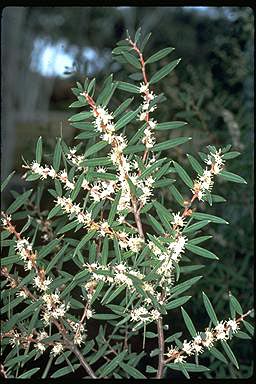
(45, 50)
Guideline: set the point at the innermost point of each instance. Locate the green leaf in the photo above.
(249, 327)
(54, 211)
(56, 258)
(18, 202)
(183, 175)
(180, 288)
(189, 324)
(195, 164)
(217, 199)
(28, 374)
(164, 215)
(229, 353)
(84, 240)
(6, 181)
(170, 125)
(210, 310)
(106, 90)
(235, 304)
(242, 335)
(113, 209)
(149, 170)
(113, 364)
(12, 304)
(206, 216)
(134, 149)
(195, 367)
(104, 252)
(57, 156)
(39, 150)
(229, 176)
(179, 367)
(230, 155)
(47, 249)
(84, 126)
(67, 227)
(216, 353)
(128, 87)
(199, 240)
(170, 144)
(131, 59)
(164, 71)
(78, 104)
(95, 148)
(64, 371)
(155, 224)
(201, 251)
(129, 116)
(133, 372)
(80, 116)
(122, 107)
(196, 226)
(176, 194)
(177, 302)
(159, 55)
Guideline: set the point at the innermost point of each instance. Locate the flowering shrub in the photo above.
(109, 254)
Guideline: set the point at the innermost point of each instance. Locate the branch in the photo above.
(160, 332)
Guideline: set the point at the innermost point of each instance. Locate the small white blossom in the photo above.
(57, 349)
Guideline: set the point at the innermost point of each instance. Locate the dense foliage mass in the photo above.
(107, 253)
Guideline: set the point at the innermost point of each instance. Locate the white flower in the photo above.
(187, 347)
(40, 347)
(57, 349)
(233, 325)
(143, 88)
(209, 339)
(143, 116)
(180, 359)
(155, 314)
(41, 284)
(178, 220)
(135, 243)
(36, 168)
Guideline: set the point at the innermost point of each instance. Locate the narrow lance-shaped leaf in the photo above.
(159, 55)
(128, 87)
(188, 322)
(210, 310)
(164, 71)
(201, 251)
(39, 150)
(170, 143)
(229, 176)
(183, 175)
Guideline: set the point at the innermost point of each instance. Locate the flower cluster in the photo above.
(143, 315)
(149, 138)
(75, 159)
(39, 345)
(118, 274)
(79, 330)
(53, 307)
(57, 349)
(133, 243)
(173, 252)
(222, 331)
(45, 171)
(24, 250)
(204, 183)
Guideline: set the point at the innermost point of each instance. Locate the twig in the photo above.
(160, 332)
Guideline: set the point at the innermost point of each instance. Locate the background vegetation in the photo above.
(211, 89)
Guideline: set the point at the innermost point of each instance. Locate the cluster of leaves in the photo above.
(63, 256)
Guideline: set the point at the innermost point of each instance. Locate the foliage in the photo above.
(108, 253)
